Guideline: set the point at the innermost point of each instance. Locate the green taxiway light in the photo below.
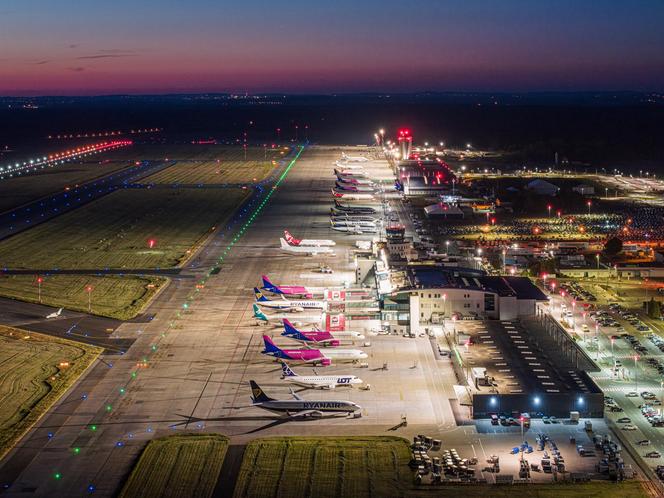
(122, 390)
(77, 451)
(57, 476)
(93, 427)
(109, 408)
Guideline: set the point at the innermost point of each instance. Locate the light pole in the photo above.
(548, 207)
(39, 282)
(613, 356)
(88, 289)
(597, 257)
(504, 252)
(447, 247)
(445, 304)
(589, 203)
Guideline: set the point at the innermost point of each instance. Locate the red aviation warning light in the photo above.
(152, 243)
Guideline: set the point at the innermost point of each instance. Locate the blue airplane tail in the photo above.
(289, 330)
(271, 348)
(287, 370)
(269, 286)
(258, 396)
(259, 296)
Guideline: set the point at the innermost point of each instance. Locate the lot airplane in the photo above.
(261, 316)
(55, 314)
(298, 407)
(285, 304)
(352, 173)
(354, 229)
(307, 242)
(324, 337)
(349, 180)
(318, 381)
(308, 250)
(315, 356)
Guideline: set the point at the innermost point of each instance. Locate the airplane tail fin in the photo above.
(284, 244)
(258, 314)
(258, 396)
(259, 296)
(289, 329)
(287, 371)
(270, 347)
(267, 285)
(290, 239)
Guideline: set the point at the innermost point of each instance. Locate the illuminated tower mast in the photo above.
(405, 143)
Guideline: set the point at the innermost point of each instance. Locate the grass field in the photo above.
(35, 370)
(213, 172)
(325, 467)
(178, 466)
(112, 296)
(195, 152)
(114, 231)
(359, 467)
(22, 189)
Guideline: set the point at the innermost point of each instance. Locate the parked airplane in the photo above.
(318, 381)
(287, 290)
(349, 180)
(355, 230)
(299, 407)
(307, 250)
(354, 188)
(353, 223)
(353, 166)
(315, 356)
(325, 337)
(353, 159)
(55, 314)
(353, 196)
(354, 208)
(307, 242)
(276, 319)
(285, 304)
(352, 173)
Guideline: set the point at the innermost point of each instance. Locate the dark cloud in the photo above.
(76, 69)
(39, 63)
(73, 45)
(104, 56)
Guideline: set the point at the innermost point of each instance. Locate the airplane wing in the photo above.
(295, 395)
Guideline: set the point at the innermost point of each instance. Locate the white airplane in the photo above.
(55, 314)
(349, 222)
(307, 242)
(352, 196)
(308, 250)
(318, 381)
(356, 167)
(350, 173)
(298, 407)
(277, 319)
(353, 159)
(286, 304)
(354, 229)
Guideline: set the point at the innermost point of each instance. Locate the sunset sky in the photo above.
(296, 46)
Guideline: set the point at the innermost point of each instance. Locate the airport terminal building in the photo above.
(431, 294)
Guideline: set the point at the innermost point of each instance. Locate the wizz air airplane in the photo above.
(318, 381)
(353, 188)
(352, 173)
(352, 196)
(287, 290)
(356, 230)
(307, 242)
(349, 222)
(307, 250)
(353, 208)
(298, 407)
(324, 337)
(353, 159)
(349, 180)
(276, 319)
(285, 304)
(315, 356)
